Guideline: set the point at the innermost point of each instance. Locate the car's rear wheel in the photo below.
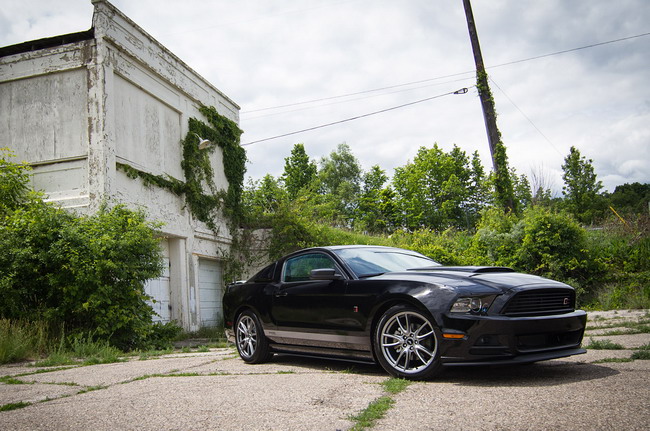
(406, 343)
(252, 345)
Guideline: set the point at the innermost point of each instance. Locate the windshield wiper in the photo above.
(372, 275)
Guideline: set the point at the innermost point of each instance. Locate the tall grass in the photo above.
(22, 340)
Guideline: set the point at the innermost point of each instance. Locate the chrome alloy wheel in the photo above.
(247, 337)
(408, 342)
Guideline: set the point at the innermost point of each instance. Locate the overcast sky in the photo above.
(293, 65)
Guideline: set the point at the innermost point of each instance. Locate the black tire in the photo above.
(406, 343)
(252, 345)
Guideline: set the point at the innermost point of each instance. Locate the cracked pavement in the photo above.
(216, 390)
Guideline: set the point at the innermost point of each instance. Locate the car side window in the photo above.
(298, 268)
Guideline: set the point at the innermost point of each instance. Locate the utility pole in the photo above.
(489, 114)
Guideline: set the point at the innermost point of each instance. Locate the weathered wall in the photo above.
(76, 110)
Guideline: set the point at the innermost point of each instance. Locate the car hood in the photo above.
(495, 279)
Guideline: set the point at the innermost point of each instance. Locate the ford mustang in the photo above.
(402, 310)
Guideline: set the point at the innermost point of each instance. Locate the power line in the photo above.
(461, 91)
(355, 99)
(526, 117)
(446, 76)
(390, 87)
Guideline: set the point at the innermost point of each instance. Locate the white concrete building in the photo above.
(76, 106)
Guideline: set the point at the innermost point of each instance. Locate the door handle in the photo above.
(277, 295)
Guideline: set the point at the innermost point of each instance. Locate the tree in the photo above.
(340, 180)
(262, 198)
(440, 190)
(581, 187)
(631, 198)
(370, 212)
(299, 171)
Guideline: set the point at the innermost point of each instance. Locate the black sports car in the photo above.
(402, 310)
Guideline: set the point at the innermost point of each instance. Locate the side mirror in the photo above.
(324, 274)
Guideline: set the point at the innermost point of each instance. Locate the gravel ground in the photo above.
(216, 390)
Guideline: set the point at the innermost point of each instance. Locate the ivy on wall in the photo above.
(204, 199)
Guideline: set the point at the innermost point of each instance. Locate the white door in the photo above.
(159, 289)
(210, 292)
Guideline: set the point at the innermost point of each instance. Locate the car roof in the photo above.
(353, 246)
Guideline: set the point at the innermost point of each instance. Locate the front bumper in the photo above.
(505, 340)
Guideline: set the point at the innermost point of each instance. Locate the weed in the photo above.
(603, 345)
(641, 354)
(375, 411)
(286, 372)
(14, 406)
(203, 349)
(395, 385)
(10, 380)
(55, 359)
(91, 388)
(20, 340)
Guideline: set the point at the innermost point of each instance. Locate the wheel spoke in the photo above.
(397, 343)
(419, 350)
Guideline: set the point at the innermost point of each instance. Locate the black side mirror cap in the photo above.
(324, 274)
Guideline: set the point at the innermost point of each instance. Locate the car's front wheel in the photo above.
(252, 345)
(406, 343)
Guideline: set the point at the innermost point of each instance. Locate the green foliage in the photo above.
(623, 250)
(86, 273)
(14, 178)
(581, 188)
(82, 273)
(340, 180)
(375, 411)
(21, 340)
(395, 385)
(540, 241)
(439, 190)
(299, 171)
(203, 197)
(629, 199)
(641, 355)
(447, 247)
(603, 345)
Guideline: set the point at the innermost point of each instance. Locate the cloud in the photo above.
(263, 54)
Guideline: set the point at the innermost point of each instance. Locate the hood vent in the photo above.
(469, 269)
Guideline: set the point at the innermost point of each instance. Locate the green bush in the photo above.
(82, 273)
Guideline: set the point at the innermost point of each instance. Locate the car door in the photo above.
(304, 310)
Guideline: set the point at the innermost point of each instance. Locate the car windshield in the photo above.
(366, 262)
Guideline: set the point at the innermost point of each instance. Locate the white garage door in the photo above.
(159, 289)
(210, 292)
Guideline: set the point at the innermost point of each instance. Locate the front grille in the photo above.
(541, 302)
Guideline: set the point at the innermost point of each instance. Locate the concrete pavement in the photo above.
(215, 390)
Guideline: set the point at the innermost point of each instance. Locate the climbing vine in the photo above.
(204, 199)
(504, 191)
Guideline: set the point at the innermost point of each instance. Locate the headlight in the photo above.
(473, 304)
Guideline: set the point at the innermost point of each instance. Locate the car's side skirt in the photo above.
(324, 352)
(319, 339)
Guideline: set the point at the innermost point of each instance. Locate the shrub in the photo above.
(84, 273)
